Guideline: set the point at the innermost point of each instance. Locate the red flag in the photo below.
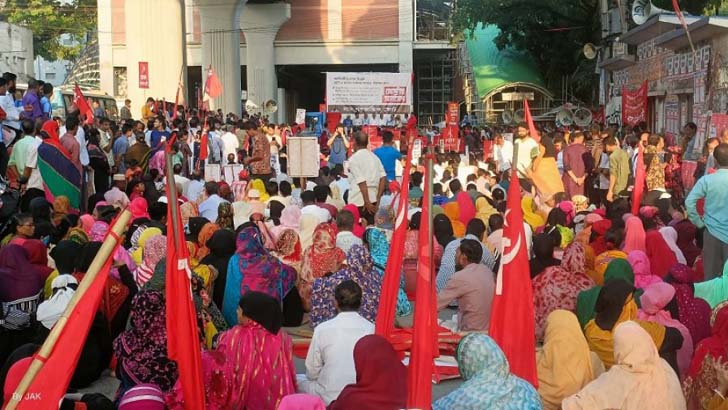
(424, 349)
(183, 340)
(203, 142)
(512, 316)
(639, 180)
(213, 87)
(83, 106)
(529, 119)
(390, 286)
(51, 382)
(683, 23)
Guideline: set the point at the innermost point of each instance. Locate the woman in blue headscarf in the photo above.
(378, 243)
(489, 383)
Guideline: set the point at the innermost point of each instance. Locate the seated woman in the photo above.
(411, 253)
(252, 366)
(253, 268)
(642, 268)
(381, 378)
(612, 240)
(639, 380)
(379, 246)
(489, 383)
(615, 305)
(587, 300)
(19, 229)
(693, 312)
(564, 364)
(709, 364)
(321, 258)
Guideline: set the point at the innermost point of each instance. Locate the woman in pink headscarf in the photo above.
(654, 303)
(466, 205)
(643, 276)
(634, 235)
(358, 227)
(86, 221)
(290, 218)
(138, 208)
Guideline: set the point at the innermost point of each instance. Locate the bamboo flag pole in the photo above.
(105, 252)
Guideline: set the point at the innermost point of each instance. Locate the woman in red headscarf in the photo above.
(710, 359)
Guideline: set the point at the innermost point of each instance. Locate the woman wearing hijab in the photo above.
(253, 268)
(686, 232)
(381, 378)
(252, 366)
(222, 248)
(155, 249)
(530, 216)
(639, 380)
(612, 241)
(140, 241)
(641, 267)
(64, 257)
(61, 208)
(289, 250)
(710, 359)
(205, 234)
(488, 381)
(669, 235)
(412, 251)
(558, 286)
(543, 254)
(141, 350)
(321, 258)
(138, 208)
(693, 312)
(225, 216)
(359, 268)
(714, 291)
(661, 256)
(597, 240)
(587, 300)
(20, 294)
(465, 206)
(634, 239)
(38, 257)
(452, 212)
(379, 247)
(307, 226)
(657, 303)
(188, 210)
(290, 217)
(358, 228)
(565, 364)
(41, 211)
(443, 230)
(484, 209)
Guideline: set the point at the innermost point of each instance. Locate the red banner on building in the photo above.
(451, 132)
(634, 105)
(143, 74)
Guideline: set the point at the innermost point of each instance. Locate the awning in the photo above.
(703, 29)
(617, 63)
(655, 26)
(496, 69)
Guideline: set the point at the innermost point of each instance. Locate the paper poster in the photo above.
(231, 172)
(300, 116)
(387, 94)
(212, 172)
(303, 157)
(416, 151)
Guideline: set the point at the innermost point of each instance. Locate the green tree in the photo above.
(553, 32)
(59, 27)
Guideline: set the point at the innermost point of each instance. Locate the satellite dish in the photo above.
(642, 10)
(270, 106)
(519, 115)
(590, 51)
(583, 117)
(507, 117)
(250, 106)
(565, 118)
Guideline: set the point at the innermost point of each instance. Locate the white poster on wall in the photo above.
(362, 95)
(300, 116)
(303, 157)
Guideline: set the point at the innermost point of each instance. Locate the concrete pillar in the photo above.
(106, 54)
(220, 26)
(406, 36)
(260, 23)
(154, 34)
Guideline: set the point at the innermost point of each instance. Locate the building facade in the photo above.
(16, 50)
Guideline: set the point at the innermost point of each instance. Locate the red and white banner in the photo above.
(451, 132)
(143, 74)
(634, 105)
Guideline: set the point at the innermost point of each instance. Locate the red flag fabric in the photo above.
(183, 340)
(203, 142)
(683, 23)
(51, 382)
(83, 106)
(213, 86)
(333, 119)
(512, 314)
(388, 298)
(529, 119)
(419, 380)
(634, 105)
(639, 180)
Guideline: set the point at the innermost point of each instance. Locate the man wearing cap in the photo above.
(116, 195)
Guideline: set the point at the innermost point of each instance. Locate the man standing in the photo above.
(136, 153)
(31, 102)
(330, 359)
(11, 123)
(527, 151)
(121, 146)
(473, 286)
(574, 166)
(230, 143)
(125, 113)
(714, 189)
(70, 143)
(20, 159)
(503, 153)
(259, 161)
(367, 178)
(338, 146)
(618, 169)
(388, 155)
(106, 140)
(690, 156)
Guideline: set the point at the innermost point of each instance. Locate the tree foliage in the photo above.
(553, 32)
(59, 27)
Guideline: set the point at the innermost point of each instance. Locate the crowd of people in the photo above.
(630, 309)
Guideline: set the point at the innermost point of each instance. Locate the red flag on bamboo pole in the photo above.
(529, 120)
(421, 366)
(183, 340)
(390, 286)
(213, 86)
(683, 23)
(639, 180)
(82, 103)
(512, 316)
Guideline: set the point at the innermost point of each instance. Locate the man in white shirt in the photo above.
(7, 103)
(367, 178)
(180, 180)
(230, 142)
(24, 157)
(503, 153)
(310, 208)
(330, 359)
(345, 239)
(527, 150)
(194, 187)
(208, 207)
